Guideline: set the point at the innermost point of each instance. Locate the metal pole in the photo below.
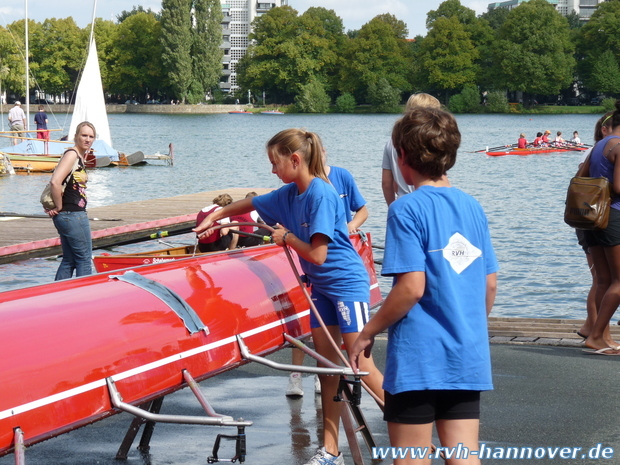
(27, 71)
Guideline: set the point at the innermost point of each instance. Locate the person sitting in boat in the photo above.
(559, 141)
(545, 137)
(522, 142)
(221, 239)
(575, 139)
(538, 142)
(251, 217)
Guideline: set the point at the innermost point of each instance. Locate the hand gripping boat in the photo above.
(80, 350)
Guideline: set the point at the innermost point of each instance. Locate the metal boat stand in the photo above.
(353, 420)
(148, 414)
(20, 449)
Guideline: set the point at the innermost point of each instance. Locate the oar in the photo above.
(491, 149)
(25, 215)
(243, 233)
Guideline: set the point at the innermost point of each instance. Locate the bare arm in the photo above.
(387, 184)
(315, 252)
(491, 291)
(236, 208)
(65, 165)
(358, 219)
(404, 295)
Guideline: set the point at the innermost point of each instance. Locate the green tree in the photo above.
(467, 101)
(12, 59)
(448, 56)
(136, 67)
(105, 37)
(176, 40)
(605, 75)
(533, 52)
(312, 98)
(599, 35)
(497, 102)
(206, 52)
(345, 103)
(378, 51)
(383, 97)
(135, 10)
(58, 54)
(496, 17)
(289, 51)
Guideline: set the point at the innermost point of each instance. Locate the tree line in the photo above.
(311, 61)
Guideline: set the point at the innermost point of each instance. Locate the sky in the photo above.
(354, 13)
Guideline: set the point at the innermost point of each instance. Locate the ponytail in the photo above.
(307, 144)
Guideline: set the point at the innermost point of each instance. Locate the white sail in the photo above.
(89, 101)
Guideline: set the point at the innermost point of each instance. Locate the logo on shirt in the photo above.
(305, 225)
(460, 253)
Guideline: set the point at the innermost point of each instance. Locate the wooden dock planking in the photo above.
(24, 238)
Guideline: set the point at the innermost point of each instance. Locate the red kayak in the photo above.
(64, 343)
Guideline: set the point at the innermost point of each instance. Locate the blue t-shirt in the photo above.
(319, 210)
(442, 343)
(346, 188)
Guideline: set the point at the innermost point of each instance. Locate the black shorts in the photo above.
(422, 407)
(610, 236)
(220, 244)
(586, 239)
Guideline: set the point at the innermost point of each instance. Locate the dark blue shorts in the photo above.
(422, 407)
(350, 316)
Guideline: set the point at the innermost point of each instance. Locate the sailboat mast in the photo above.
(92, 23)
(27, 70)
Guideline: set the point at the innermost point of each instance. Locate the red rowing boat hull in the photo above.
(535, 151)
(60, 341)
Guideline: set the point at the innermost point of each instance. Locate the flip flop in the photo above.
(581, 335)
(604, 351)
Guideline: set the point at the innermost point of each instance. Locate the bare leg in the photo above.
(329, 387)
(416, 436)
(454, 432)
(599, 337)
(374, 380)
(591, 309)
(297, 356)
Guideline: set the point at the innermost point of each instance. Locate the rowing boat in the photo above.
(535, 150)
(69, 346)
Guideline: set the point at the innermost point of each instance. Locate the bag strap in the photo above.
(76, 165)
(584, 169)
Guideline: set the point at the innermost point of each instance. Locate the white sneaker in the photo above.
(323, 458)
(317, 384)
(294, 388)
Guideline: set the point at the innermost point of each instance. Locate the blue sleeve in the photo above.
(356, 200)
(267, 206)
(324, 211)
(404, 251)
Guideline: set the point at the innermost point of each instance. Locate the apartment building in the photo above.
(236, 28)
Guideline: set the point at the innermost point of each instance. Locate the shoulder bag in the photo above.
(46, 195)
(587, 200)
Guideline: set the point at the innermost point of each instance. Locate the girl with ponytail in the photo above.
(310, 219)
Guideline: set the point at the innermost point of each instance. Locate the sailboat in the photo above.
(89, 106)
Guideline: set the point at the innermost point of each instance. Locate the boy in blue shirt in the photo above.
(439, 250)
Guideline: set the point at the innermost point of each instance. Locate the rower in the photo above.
(545, 137)
(522, 143)
(538, 142)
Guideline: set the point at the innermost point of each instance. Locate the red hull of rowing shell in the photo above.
(60, 341)
(532, 152)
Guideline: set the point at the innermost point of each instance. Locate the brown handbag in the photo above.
(587, 200)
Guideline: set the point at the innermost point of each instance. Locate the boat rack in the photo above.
(149, 414)
(349, 392)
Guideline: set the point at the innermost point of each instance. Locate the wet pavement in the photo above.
(545, 397)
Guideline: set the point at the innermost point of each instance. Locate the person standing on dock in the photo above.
(17, 121)
(69, 215)
(392, 182)
(438, 248)
(40, 119)
(311, 221)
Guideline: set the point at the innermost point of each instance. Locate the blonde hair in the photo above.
(522, 135)
(307, 144)
(80, 126)
(222, 200)
(422, 100)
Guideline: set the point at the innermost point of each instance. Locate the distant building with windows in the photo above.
(238, 16)
(584, 8)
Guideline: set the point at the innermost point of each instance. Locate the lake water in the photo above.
(543, 270)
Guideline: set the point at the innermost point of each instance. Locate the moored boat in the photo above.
(240, 112)
(66, 343)
(271, 112)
